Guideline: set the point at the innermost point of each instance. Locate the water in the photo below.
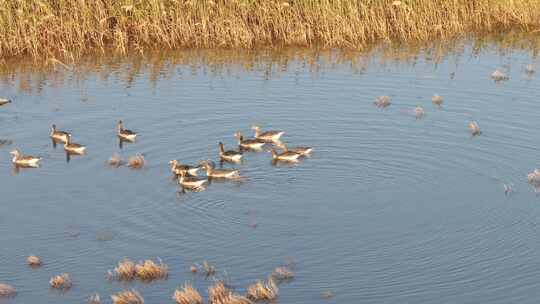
(388, 209)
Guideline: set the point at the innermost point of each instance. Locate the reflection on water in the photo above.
(389, 207)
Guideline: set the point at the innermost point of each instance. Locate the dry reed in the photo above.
(127, 297)
(187, 295)
(62, 281)
(137, 161)
(208, 268)
(124, 271)
(94, 299)
(7, 291)
(149, 270)
(33, 261)
(263, 290)
(221, 294)
(69, 29)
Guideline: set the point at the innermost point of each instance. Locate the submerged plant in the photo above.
(127, 297)
(382, 101)
(115, 160)
(7, 291)
(263, 290)
(208, 268)
(149, 270)
(62, 281)
(499, 75)
(94, 299)
(419, 112)
(437, 99)
(282, 273)
(187, 295)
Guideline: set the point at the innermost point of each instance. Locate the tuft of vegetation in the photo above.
(94, 299)
(69, 29)
(7, 291)
(34, 261)
(62, 281)
(187, 295)
(282, 273)
(221, 294)
(149, 270)
(124, 271)
(263, 291)
(115, 161)
(137, 161)
(127, 297)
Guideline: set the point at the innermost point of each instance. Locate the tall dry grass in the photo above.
(68, 29)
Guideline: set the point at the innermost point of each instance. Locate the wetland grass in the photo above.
(263, 291)
(69, 29)
(221, 294)
(34, 261)
(127, 297)
(187, 295)
(7, 291)
(282, 273)
(148, 270)
(124, 271)
(62, 281)
(137, 161)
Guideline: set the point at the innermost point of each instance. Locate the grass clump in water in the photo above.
(282, 273)
(187, 295)
(127, 297)
(70, 29)
(7, 291)
(34, 261)
(124, 271)
(263, 291)
(137, 161)
(94, 299)
(62, 281)
(149, 270)
(221, 294)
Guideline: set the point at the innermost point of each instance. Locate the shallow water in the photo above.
(388, 209)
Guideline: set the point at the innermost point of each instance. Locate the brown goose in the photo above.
(302, 150)
(73, 147)
(211, 172)
(125, 134)
(4, 101)
(268, 136)
(288, 156)
(178, 168)
(249, 143)
(24, 160)
(58, 135)
(230, 155)
(191, 182)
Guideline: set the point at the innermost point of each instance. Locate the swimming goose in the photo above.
(73, 147)
(304, 151)
(58, 135)
(268, 136)
(288, 156)
(191, 182)
(125, 134)
(230, 155)
(474, 128)
(249, 143)
(24, 160)
(211, 172)
(4, 101)
(178, 168)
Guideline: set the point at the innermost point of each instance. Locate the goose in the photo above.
(58, 135)
(302, 150)
(474, 128)
(24, 160)
(288, 156)
(125, 134)
(249, 143)
(230, 155)
(73, 147)
(191, 182)
(4, 101)
(178, 168)
(211, 172)
(268, 136)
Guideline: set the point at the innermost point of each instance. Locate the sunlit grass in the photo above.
(62, 281)
(67, 29)
(187, 295)
(7, 291)
(127, 297)
(263, 290)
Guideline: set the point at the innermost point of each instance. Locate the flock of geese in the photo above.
(187, 175)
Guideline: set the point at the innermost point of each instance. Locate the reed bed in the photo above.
(7, 291)
(219, 293)
(124, 271)
(69, 29)
(149, 270)
(127, 297)
(187, 295)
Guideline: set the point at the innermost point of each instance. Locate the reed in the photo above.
(68, 29)
(282, 273)
(187, 295)
(127, 297)
(263, 291)
(221, 294)
(62, 281)
(124, 271)
(149, 270)
(7, 291)
(34, 261)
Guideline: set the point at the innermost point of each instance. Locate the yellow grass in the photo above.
(263, 290)
(149, 270)
(220, 294)
(68, 29)
(124, 271)
(187, 295)
(127, 297)
(7, 291)
(33, 261)
(137, 161)
(62, 281)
